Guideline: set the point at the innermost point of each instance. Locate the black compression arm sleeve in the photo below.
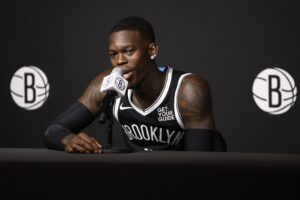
(204, 140)
(73, 120)
(199, 140)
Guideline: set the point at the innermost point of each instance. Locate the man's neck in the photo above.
(150, 89)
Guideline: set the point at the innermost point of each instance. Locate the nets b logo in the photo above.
(120, 83)
(29, 87)
(274, 91)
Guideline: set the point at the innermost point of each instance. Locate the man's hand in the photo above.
(81, 143)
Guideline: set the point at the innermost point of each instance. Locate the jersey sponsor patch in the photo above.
(164, 114)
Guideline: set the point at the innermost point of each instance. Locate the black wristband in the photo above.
(73, 120)
(204, 140)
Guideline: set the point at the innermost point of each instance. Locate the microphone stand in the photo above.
(106, 114)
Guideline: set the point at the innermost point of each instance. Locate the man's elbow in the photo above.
(54, 135)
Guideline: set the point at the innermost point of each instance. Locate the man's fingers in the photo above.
(69, 149)
(83, 143)
(90, 140)
(79, 148)
(74, 147)
(96, 142)
(97, 145)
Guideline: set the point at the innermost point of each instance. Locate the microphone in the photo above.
(114, 85)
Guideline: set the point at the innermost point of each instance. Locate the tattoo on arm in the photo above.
(195, 103)
(92, 96)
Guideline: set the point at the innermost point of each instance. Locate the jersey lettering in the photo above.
(160, 135)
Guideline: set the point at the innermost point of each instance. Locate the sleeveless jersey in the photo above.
(158, 127)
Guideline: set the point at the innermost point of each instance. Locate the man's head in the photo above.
(132, 47)
(135, 24)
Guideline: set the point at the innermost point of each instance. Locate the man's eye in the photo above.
(130, 51)
(112, 54)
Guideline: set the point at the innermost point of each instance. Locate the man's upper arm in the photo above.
(92, 97)
(195, 103)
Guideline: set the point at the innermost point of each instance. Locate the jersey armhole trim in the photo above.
(176, 108)
(116, 108)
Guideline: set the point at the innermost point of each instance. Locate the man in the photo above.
(162, 109)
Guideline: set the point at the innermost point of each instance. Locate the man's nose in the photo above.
(121, 60)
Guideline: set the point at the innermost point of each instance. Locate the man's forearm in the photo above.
(73, 120)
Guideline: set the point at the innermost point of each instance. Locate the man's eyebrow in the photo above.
(124, 47)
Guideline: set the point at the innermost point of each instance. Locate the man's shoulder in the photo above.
(188, 81)
(97, 81)
(99, 77)
(92, 96)
(187, 74)
(193, 82)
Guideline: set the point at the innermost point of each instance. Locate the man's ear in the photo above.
(153, 50)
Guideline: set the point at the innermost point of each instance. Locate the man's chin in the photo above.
(130, 85)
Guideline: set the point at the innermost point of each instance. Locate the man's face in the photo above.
(129, 51)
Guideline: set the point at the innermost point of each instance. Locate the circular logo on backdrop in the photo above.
(29, 87)
(274, 91)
